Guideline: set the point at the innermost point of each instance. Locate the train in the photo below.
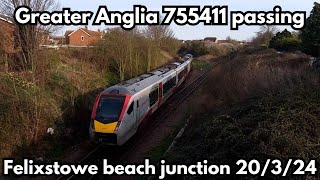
(119, 110)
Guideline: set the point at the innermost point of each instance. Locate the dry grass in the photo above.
(261, 73)
(257, 105)
(50, 96)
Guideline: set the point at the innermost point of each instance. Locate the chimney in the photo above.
(99, 30)
(86, 27)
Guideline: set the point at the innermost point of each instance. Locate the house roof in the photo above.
(210, 39)
(88, 32)
(92, 33)
(6, 18)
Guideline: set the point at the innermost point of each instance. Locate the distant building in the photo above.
(82, 37)
(211, 39)
(9, 43)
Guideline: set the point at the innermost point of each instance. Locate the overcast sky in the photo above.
(200, 31)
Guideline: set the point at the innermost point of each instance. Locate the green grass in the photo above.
(200, 65)
(157, 153)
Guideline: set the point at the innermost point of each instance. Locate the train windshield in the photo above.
(109, 108)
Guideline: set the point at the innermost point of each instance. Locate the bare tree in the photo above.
(160, 36)
(28, 36)
(264, 35)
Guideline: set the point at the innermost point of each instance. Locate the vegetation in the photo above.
(196, 48)
(262, 105)
(28, 109)
(285, 41)
(200, 65)
(28, 37)
(200, 48)
(60, 89)
(307, 40)
(129, 53)
(310, 35)
(264, 36)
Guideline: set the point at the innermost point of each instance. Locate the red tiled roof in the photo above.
(6, 18)
(89, 32)
(92, 33)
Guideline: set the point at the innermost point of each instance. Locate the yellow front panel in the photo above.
(105, 128)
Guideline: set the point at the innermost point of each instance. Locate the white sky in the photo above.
(200, 31)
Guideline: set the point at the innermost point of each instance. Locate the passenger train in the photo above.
(119, 109)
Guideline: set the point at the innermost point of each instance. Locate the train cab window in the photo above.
(130, 109)
(109, 108)
(137, 103)
(153, 96)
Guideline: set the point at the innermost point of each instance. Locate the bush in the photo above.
(257, 105)
(200, 48)
(285, 41)
(310, 35)
(196, 48)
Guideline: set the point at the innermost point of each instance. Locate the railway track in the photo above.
(118, 154)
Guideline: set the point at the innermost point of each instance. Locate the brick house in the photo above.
(8, 43)
(7, 30)
(82, 37)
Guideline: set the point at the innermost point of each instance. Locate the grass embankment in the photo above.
(58, 93)
(258, 105)
(61, 87)
(200, 65)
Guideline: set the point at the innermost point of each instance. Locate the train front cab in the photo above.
(112, 121)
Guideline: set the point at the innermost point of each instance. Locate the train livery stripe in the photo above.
(95, 107)
(104, 128)
(124, 108)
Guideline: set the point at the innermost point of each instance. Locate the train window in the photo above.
(153, 96)
(167, 86)
(182, 74)
(137, 103)
(109, 108)
(130, 109)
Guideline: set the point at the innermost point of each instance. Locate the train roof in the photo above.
(134, 85)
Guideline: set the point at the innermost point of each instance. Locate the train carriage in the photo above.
(119, 109)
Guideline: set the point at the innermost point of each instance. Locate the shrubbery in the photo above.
(61, 88)
(285, 41)
(307, 40)
(196, 48)
(310, 35)
(200, 48)
(257, 105)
